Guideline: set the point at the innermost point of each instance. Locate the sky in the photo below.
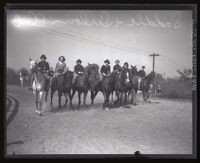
(95, 35)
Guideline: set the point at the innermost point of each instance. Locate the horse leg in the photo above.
(120, 98)
(125, 96)
(84, 97)
(92, 97)
(147, 95)
(52, 92)
(66, 98)
(79, 99)
(70, 98)
(112, 100)
(104, 103)
(133, 100)
(107, 100)
(144, 94)
(59, 99)
(40, 102)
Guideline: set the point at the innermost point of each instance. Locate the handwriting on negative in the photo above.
(103, 20)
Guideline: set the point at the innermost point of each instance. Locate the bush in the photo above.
(174, 88)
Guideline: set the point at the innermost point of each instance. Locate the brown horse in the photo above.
(40, 86)
(81, 85)
(94, 80)
(63, 85)
(145, 85)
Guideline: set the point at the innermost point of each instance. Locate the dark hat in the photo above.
(107, 61)
(43, 56)
(117, 61)
(143, 66)
(126, 63)
(79, 61)
(61, 57)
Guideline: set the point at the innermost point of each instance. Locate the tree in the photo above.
(185, 74)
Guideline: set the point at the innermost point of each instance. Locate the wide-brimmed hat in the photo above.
(117, 61)
(126, 63)
(143, 66)
(79, 61)
(61, 57)
(43, 56)
(107, 61)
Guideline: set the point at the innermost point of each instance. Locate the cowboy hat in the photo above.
(126, 63)
(107, 61)
(43, 56)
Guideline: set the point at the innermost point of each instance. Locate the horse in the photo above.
(122, 84)
(145, 83)
(81, 85)
(23, 78)
(94, 80)
(107, 87)
(134, 83)
(40, 86)
(63, 85)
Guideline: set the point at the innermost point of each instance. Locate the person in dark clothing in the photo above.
(117, 67)
(79, 68)
(141, 75)
(105, 69)
(126, 69)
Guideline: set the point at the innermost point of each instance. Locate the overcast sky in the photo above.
(94, 36)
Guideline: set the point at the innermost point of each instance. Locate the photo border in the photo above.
(39, 6)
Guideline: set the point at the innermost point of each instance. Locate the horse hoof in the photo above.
(36, 111)
(107, 108)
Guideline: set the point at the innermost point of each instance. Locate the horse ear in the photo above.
(30, 59)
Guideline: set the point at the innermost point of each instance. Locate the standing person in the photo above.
(43, 67)
(105, 69)
(78, 69)
(117, 67)
(141, 75)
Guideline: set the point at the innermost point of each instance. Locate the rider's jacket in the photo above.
(78, 69)
(117, 67)
(105, 70)
(141, 73)
(60, 67)
(43, 66)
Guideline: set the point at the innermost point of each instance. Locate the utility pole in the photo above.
(153, 55)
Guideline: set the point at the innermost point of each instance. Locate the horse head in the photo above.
(33, 65)
(125, 77)
(133, 70)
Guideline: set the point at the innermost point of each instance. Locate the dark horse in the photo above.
(63, 85)
(122, 84)
(94, 80)
(144, 85)
(40, 86)
(134, 84)
(85, 82)
(107, 87)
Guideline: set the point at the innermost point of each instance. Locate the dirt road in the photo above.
(161, 127)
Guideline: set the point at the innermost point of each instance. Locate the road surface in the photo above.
(160, 127)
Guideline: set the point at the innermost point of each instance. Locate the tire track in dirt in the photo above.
(13, 106)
